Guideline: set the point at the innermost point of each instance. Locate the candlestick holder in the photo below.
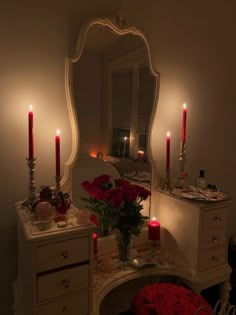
(28, 203)
(58, 185)
(182, 160)
(166, 184)
(154, 246)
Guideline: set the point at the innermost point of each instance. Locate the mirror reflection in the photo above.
(114, 92)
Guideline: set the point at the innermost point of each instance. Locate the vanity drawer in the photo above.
(59, 254)
(58, 283)
(215, 218)
(75, 304)
(212, 258)
(213, 238)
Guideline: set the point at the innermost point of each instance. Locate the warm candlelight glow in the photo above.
(30, 108)
(168, 134)
(184, 106)
(58, 132)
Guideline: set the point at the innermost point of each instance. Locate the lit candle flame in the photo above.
(30, 108)
(168, 134)
(184, 106)
(154, 219)
(58, 132)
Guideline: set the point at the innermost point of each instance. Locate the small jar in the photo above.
(201, 181)
(43, 210)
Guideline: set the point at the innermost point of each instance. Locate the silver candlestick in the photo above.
(182, 160)
(166, 184)
(28, 203)
(58, 185)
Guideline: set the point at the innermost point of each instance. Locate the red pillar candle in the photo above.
(57, 152)
(30, 132)
(168, 150)
(95, 243)
(154, 230)
(183, 136)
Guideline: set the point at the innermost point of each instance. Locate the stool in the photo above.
(169, 299)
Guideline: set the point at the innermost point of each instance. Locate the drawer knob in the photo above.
(64, 255)
(65, 283)
(215, 239)
(64, 309)
(218, 219)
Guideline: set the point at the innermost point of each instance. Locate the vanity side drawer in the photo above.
(59, 283)
(69, 305)
(215, 218)
(212, 258)
(56, 255)
(213, 237)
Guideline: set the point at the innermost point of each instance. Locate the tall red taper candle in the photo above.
(183, 136)
(168, 150)
(95, 242)
(57, 152)
(154, 230)
(30, 132)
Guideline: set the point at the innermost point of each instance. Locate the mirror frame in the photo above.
(120, 27)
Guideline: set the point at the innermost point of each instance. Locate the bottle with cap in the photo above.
(201, 181)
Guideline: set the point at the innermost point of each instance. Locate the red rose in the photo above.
(114, 197)
(86, 185)
(120, 182)
(102, 180)
(131, 193)
(144, 193)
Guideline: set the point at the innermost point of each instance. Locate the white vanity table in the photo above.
(55, 267)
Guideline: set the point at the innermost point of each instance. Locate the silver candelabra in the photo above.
(28, 203)
(182, 160)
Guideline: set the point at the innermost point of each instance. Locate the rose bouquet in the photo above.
(118, 202)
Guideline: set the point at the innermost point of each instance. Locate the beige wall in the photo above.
(193, 47)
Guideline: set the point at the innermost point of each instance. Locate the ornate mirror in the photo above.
(112, 89)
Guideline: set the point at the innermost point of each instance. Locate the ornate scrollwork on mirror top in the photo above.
(118, 25)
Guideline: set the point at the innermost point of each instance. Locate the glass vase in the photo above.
(103, 226)
(123, 241)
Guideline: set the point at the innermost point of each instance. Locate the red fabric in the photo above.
(169, 299)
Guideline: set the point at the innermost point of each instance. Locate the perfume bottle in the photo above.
(201, 181)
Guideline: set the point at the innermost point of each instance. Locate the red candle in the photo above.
(154, 230)
(95, 243)
(140, 155)
(183, 136)
(30, 132)
(57, 152)
(168, 150)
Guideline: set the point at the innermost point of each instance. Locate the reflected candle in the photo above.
(154, 230)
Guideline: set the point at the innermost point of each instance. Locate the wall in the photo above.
(193, 48)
